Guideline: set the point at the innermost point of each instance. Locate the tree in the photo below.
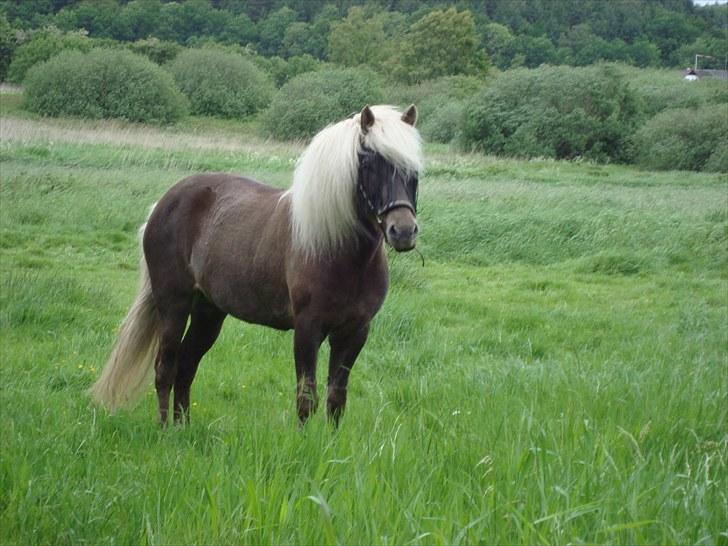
(239, 30)
(137, 20)
(499, 44)
(442, 43)
(357, 40)
(272, 29)
(42, 46)
(7, 45)
(669, 30)
(533, 52)
(181, 22)
(644, 53)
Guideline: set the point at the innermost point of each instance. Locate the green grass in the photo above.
(557, 371)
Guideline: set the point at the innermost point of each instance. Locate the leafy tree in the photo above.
(41, 47)
(644, 53)
(717, 48)
(137, 20)
(442, 43)
(357, 40)
(499, 44)
(669, 30)
(272, 30)
(239, 30)
(7, 45)
(182, 22)
(296, 39)
(98, 18)
(533, 51)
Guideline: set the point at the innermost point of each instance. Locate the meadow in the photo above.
(556, 372)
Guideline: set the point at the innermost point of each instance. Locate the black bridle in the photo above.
(390, 182)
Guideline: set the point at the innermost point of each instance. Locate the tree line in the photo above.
(408, 40)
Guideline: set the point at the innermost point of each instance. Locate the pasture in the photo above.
(556, 372)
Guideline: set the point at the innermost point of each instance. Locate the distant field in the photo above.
(557, 372)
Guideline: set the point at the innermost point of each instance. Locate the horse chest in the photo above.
(339, 294)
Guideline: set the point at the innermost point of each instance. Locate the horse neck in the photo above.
(365, 247)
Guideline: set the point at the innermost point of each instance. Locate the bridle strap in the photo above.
(395, 205)
(386, 208)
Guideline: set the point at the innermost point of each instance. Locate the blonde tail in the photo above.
(129, 367)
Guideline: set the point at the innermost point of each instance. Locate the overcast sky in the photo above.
(704, 2)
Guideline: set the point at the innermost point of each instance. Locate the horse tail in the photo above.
(128, 370)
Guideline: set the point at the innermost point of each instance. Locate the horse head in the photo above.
(388, 191)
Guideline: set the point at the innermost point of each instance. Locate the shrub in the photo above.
(104, 84)
(662, 89)
(684, 139)
(440, 104)
(557, 112)
(442, 124)
(312, 100)
(220, 83)
(41, 47)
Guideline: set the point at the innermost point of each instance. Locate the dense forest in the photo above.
(394, 34)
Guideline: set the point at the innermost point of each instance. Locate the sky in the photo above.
(708, 2)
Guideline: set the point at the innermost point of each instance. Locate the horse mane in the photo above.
(322, 196)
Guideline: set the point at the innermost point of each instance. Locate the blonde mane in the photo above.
(322, 196)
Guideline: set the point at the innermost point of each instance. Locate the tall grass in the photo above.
(555, 373)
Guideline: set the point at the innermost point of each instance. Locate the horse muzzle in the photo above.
(400, 229)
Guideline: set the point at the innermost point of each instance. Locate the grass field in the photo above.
(556, 372)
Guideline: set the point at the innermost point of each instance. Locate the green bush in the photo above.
(662, 89)
(440, 104)
(557, 112)
(220, 83)
(443, 123)
(42, 46)
(309, 102)
(104, 84)
(684, 139)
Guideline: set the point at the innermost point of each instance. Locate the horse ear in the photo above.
(366, 118)
(410, 116)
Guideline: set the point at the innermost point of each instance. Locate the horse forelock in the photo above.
(323, 210)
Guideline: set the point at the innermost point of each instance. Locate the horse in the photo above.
(311, 258)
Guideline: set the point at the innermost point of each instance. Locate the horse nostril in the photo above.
(416, 230)
(392, 232)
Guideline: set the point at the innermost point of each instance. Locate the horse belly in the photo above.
(257, 299)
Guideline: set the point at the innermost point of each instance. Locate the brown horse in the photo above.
(311, 258)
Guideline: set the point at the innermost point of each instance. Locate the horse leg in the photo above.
(345, 347)
(205, 324)
(173, 323)
(307, 339)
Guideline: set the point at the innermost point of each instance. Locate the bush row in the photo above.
(602, 113)
(116, 83)
(104, 84)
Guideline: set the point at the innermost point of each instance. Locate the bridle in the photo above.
(379, 212)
